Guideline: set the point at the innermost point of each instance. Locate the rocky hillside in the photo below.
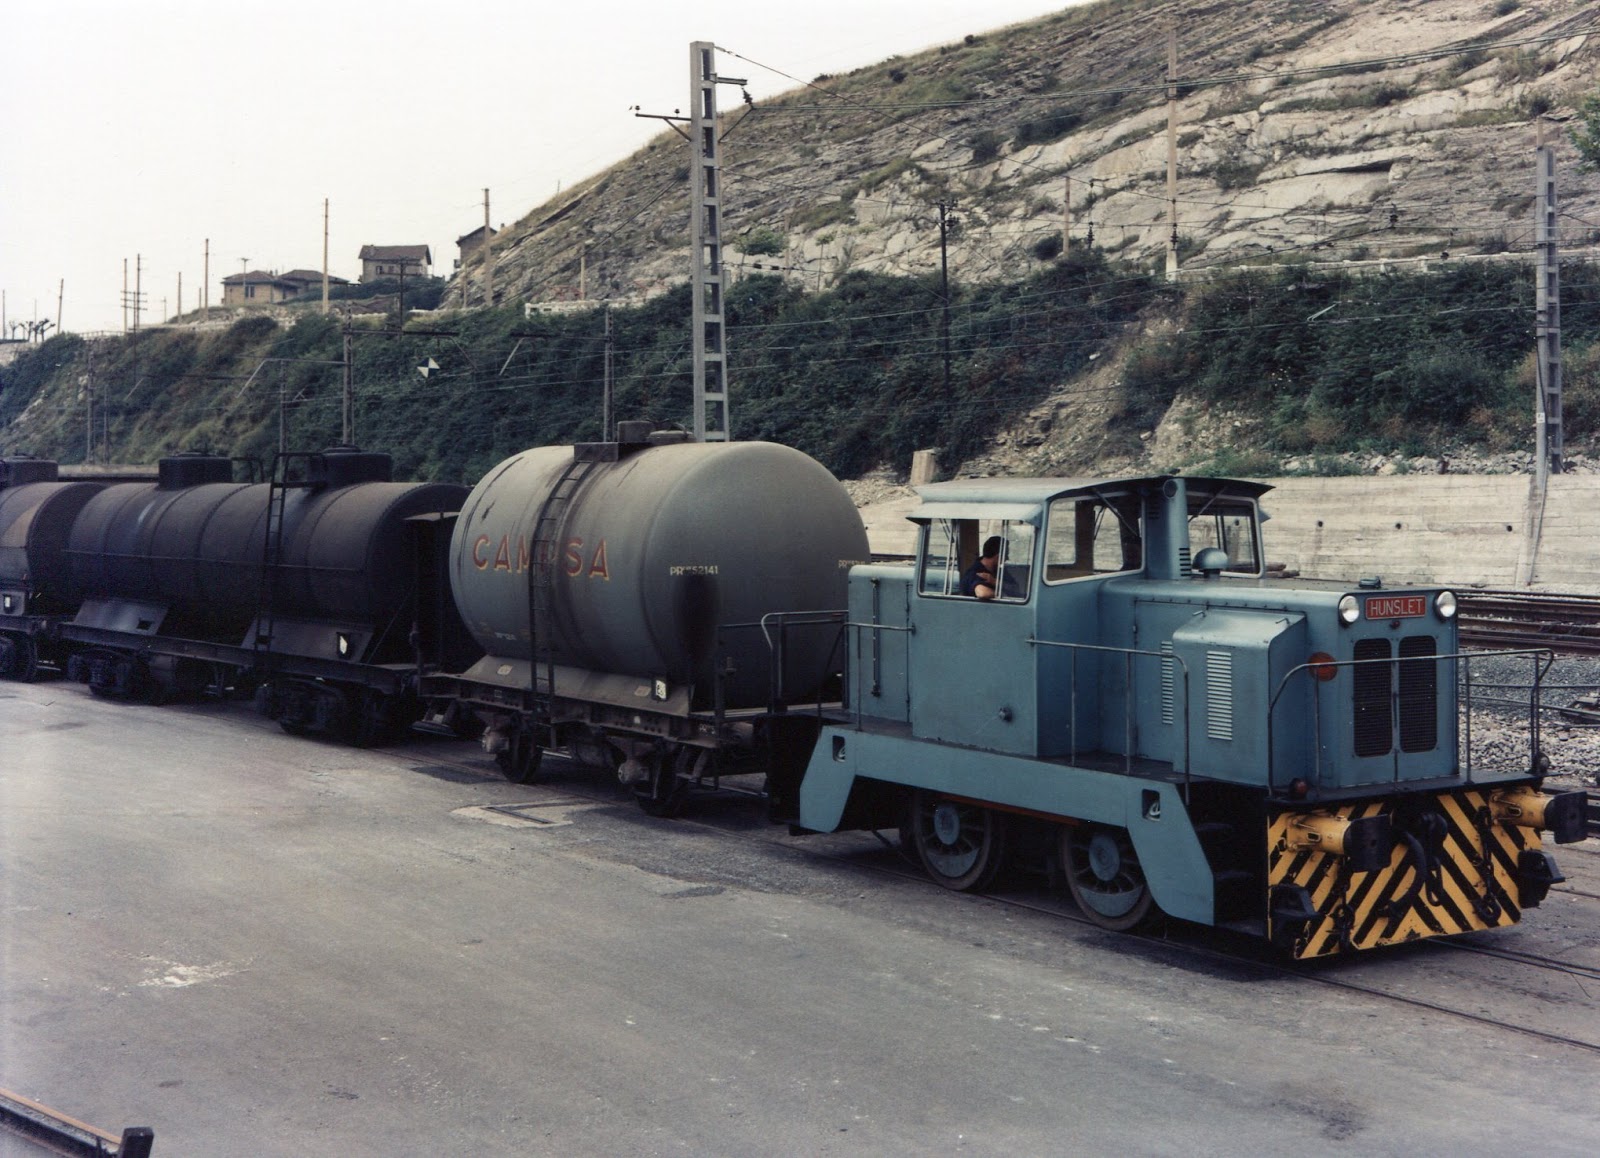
(1355, 201)
(1337, 130)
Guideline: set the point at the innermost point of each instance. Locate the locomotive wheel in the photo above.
(664, 792)
(520, 760)
(961, 845)
(1104, 876)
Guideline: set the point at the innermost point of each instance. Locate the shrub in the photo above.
(760, 241)
(1236, 172)
(823, 214)
(1522, 65)
(1047, 247)
(986, 146)
(1383, 95)
(1586, 133)
(1052, 126)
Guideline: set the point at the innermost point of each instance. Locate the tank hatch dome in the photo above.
(17, 470)
(343, 466)
(191, 469)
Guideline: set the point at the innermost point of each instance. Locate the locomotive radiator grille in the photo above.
(1467, 881)
(1409, 685)
(1419, 694)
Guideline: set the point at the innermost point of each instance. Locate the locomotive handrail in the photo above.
(1128, 716)
(776, 701)
(1465, 706)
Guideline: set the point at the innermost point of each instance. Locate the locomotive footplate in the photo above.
(1357, 875)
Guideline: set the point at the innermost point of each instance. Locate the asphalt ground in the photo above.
(262, 945)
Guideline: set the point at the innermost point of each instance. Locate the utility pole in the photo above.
(180, 293)
(244, 280)
(605, 402)
(488, 263)
(61, 297)
(1547, 321)
(88, 406)
(1066, 215)
(1172, 151)
(324, 256)
(711, 416)
(348, 427)
(205, 285)
(945, 221)
(132, 302)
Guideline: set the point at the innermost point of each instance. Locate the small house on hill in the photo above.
(381, 261)
(310, 281)
(257, 287)
(263, 288)
(470, 243)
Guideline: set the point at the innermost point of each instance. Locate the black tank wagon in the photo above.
(37, 510)
(323, 588)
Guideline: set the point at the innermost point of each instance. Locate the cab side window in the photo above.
(952, 547)
(1231, 526)
(940, 572)
(1092, 535)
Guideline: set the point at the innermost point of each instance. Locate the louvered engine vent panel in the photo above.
(1219, 695)
(1168, 677)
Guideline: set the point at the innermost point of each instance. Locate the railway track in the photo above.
(1569, 624)
(1217, 946)
(1566, 624)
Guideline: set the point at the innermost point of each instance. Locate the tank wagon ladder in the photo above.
(541, 587)
(278, 487)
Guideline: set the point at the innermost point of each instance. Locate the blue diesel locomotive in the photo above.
(1288, 757)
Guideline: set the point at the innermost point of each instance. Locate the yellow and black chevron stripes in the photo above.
(1452, 869)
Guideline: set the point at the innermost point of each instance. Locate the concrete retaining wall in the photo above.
(1461, 530)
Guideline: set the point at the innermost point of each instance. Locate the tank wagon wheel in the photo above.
(372, 722)
(520, 759)
(19, 658)
(961, 845)
(1104, 876)
(665, 791)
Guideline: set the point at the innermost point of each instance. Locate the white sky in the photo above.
(144, 127)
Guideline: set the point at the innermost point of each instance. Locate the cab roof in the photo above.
(1019, 498)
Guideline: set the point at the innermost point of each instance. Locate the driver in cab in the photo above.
(978, 581)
